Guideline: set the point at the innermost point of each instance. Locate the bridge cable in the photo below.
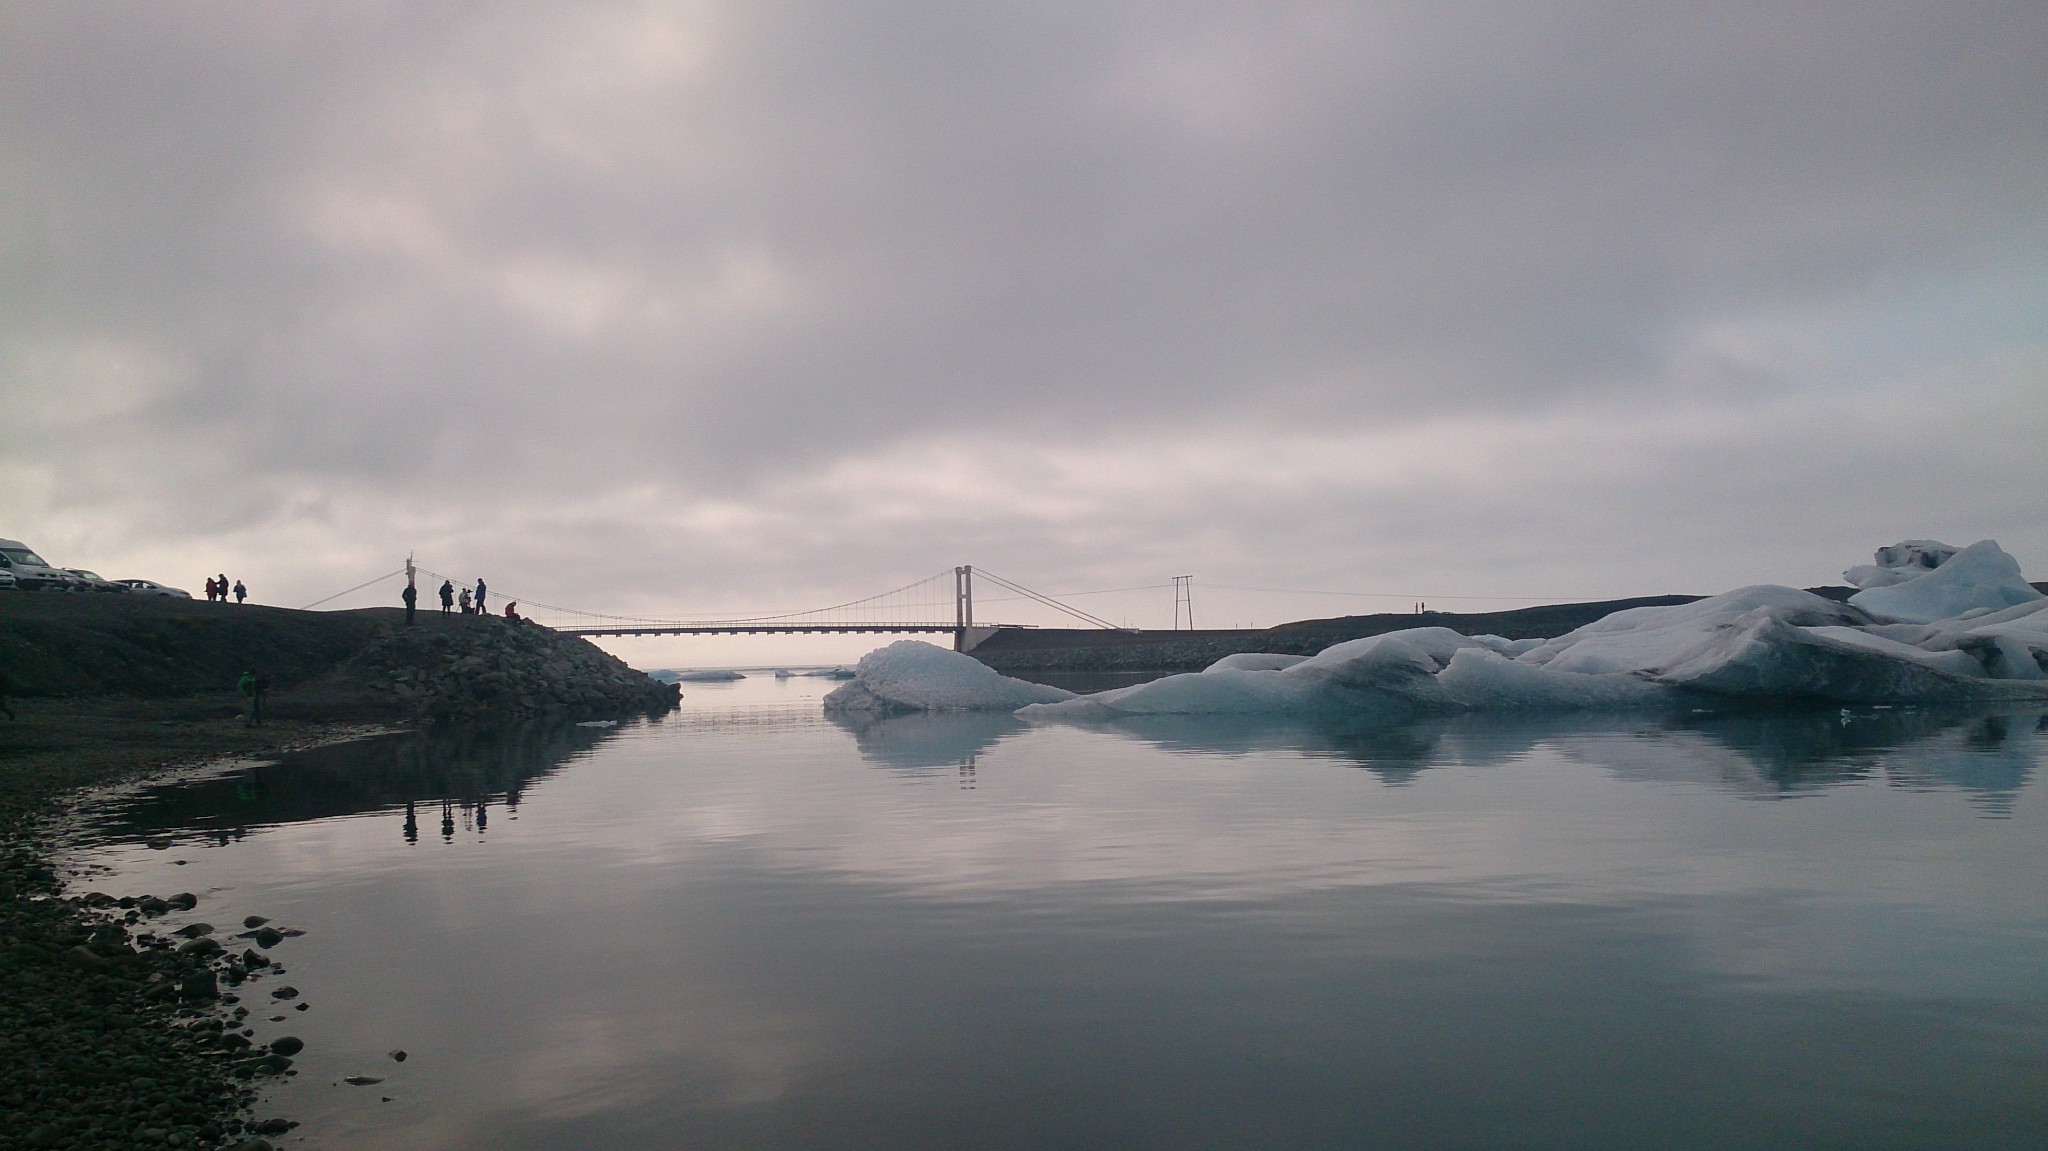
(358, 587)
(1048, 601)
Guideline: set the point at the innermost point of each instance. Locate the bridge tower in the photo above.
(963, 605)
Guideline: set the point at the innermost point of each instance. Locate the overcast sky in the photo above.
(697, 308)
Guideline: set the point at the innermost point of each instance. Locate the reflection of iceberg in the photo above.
(1763, 752)
(1990, 756)
(912, 676)
(925, 740)
(1966, 628)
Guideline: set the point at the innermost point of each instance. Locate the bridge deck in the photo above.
(769, 629)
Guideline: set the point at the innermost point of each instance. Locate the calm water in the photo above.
(748, 926)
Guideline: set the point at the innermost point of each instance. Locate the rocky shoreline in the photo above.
(114, 1034)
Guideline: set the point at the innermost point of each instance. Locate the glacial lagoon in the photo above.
(751, 925)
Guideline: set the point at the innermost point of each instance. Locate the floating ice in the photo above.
(1255, 661)
(717, 676)
(910, 675)
(1965, 627)
(1900, 562)
(1979, 576)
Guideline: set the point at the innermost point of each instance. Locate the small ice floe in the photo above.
(708, 675)
(599, 723)
(910, 675)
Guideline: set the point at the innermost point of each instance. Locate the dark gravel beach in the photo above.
(112, 1035)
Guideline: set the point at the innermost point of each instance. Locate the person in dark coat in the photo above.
(447, 597)
(411, 596)
(241, 593)
(480, 596)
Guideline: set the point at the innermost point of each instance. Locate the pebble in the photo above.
(194, 930)
(396, 1056)
(287, 1045)
(255, 921)
(285, 992)
(361, 1080)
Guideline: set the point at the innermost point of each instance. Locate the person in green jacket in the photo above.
(253, 688)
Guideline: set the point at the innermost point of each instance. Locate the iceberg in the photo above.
(1980, 576)
(1961, 625)
(910, 675)
(1900, 562)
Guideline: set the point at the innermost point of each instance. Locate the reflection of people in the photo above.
(447, 820)
(412, 823)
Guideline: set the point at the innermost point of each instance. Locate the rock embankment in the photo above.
(500, 669)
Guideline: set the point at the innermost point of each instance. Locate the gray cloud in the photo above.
(720, 294)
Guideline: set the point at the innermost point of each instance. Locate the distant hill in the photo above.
(1038, 650)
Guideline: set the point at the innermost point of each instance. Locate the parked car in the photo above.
(32, 572)
(94, 581)
(151, 587)
(8, 582)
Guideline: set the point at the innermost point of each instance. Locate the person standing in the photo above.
(447, 597)
(211, 587)
(480, 596)
(220, 586)
(241, 593)
(411, 596)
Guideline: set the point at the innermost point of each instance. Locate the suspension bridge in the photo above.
(942, 603)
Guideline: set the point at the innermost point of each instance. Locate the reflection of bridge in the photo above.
(939, 603)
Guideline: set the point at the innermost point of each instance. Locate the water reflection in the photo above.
(928, 742)
(758, 928)
(463, 770)
(1758, 752)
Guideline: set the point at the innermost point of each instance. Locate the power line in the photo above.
(1385, 594)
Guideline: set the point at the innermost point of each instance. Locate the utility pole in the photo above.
(1183, 593)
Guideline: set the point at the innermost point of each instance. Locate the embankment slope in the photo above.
(361, 665)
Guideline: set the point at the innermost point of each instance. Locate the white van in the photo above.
(32, 571)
